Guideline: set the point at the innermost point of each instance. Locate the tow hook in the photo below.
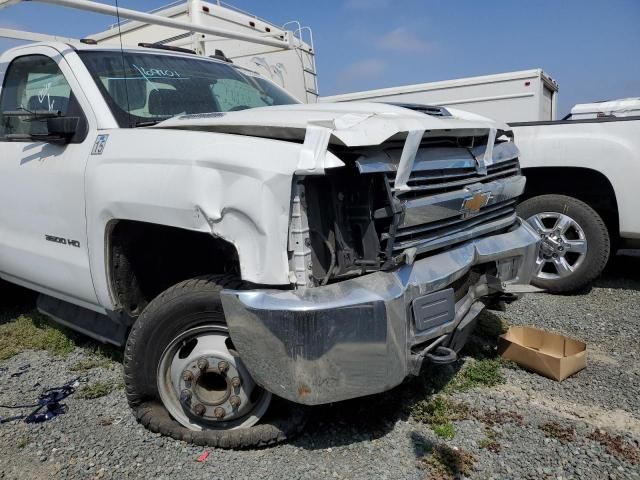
(441, 355)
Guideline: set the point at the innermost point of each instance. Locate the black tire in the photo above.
(596, 233)
(183, 306)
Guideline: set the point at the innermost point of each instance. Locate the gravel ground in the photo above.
(525, 426)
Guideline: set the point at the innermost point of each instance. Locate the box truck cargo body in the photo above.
(292, 68)
(528, 95)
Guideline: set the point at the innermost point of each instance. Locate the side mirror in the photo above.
(62, 129)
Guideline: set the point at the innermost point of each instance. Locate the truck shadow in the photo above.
(368, 418)
(622, 272)
(20, 303)
(15, 301)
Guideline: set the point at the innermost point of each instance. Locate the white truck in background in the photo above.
(582, 175)
(523, 96)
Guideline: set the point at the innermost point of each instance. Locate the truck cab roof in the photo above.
(624, 107)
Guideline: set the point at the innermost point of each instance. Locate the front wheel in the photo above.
(185, 379)
(575, 242)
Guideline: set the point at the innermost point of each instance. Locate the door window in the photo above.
(34, 84)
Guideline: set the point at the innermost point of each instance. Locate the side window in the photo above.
(34, 83)
(233, 95)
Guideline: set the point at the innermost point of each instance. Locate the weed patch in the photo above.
(555, 430)
(490, 325)
(498, 417)
(88, 364)
(445, 430)
(446, 463)
(96, 390)
(490, 442)
(476, 373)
(33, 332)
(438, 412)
(107, 352)
(617, 446)
(23, 442)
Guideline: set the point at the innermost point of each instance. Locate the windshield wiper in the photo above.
(148, 123)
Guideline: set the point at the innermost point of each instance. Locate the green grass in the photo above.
(33, 332)
(100, 356)
(445, 430)
(89, 363)
(96, 390)
(476, 373)
(439, 412)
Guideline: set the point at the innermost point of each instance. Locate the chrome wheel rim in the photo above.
(563, 247)
(204, 385)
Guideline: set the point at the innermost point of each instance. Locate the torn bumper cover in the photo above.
(365, 335)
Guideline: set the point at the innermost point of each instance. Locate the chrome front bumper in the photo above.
(359, 336)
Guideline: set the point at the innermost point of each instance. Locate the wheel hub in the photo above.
(211, 389)
(563, 246)
(203, 383)
(552, 246)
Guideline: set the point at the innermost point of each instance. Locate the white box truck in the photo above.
(292, 68)
(524, 96)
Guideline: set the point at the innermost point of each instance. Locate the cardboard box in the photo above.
(549, 354)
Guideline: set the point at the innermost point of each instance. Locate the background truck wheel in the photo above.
(575, 242)
(184, 378)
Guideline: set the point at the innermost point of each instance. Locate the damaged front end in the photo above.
(393, 252)
(371, 215)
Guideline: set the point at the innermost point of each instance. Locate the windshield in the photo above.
(146, 88)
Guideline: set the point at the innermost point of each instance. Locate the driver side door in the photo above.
(43, 243)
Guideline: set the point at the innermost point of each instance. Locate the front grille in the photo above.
(435, 235)
(432, 182)
(432, 214)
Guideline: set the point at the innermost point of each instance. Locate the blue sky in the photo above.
(591, 47)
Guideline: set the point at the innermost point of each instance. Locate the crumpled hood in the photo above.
(351, 124)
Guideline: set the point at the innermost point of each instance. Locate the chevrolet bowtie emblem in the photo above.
(472, 205)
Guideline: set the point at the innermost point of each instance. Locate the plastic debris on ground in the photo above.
(48, 405)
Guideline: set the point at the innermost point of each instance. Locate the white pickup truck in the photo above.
(582, 175)
(242, 246)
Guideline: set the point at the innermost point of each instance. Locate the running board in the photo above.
(104, 328)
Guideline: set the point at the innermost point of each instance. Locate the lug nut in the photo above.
(219, 412)
(203, 364)
(187, 376)
(185, 395)
(223, 366)
(235, 401)
(236, 382)
(199, 409)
